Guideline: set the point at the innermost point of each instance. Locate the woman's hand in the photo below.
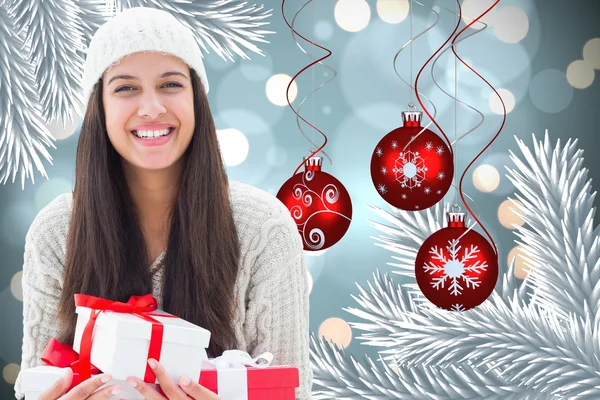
(84, 391)
(187, 388)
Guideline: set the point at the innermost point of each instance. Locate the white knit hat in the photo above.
(135, 30)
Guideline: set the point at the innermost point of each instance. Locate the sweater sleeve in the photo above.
(278, 307)
(41, 281)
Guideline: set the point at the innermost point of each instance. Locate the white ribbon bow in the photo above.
(232, 375)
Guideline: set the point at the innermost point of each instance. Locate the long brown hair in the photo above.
(106, 251)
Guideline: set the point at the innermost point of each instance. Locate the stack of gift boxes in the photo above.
(119, 338)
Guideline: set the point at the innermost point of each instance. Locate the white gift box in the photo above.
(35, 380)
(121, 342)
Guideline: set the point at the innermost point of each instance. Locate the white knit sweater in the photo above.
(271, 289)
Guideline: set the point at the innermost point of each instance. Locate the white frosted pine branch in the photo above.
(509, 286)
(55, 35)
(23, 135)
(92, 14)
(408, 230)
(221, 24)
(386, 302)
(561, 246)
(337, 374)
(527, 345)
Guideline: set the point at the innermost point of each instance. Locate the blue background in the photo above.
(355, 111)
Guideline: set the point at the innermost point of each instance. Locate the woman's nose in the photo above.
(151, 105)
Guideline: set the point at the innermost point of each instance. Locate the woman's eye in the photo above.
(126, 87)
(173, 83)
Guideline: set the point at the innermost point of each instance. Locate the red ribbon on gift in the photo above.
(62, 355)
(140, 306)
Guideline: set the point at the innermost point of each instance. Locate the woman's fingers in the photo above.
(58, 388)
(105, 393)
(195, 390)
(85, 390)
(172, 391)
(167, 386)
(145, 390)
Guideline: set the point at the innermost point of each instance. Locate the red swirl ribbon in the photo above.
(140, 306)
(62, 355)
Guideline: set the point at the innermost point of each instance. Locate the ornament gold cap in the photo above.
(412, 118)
(456, 219)
(313, 163)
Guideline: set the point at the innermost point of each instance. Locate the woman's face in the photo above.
(149, 107)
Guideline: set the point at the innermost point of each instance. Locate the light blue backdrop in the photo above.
(355, 111)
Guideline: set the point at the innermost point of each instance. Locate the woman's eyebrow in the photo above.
(129, 77)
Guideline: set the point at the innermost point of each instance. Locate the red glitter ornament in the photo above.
(319, 204)
(412, 176)
(453, 271)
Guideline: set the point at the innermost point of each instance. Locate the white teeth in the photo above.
(151, 134)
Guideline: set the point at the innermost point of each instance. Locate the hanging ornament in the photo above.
(414, 176)
(319, 204)
(456, 270)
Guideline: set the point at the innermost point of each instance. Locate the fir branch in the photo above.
(526, 344)
(508, 286)
(382, 305)
(387, 302)
(22, 131)
(92, 15)
(562, 247)
(408, 231)
(220, 24)
(55, 35)
(338, 375)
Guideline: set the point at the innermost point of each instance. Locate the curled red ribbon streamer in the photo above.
(287, 90)
(140, 306)
(62, 355)
(495, 136)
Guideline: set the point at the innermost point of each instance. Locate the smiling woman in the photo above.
(153, 211)
(149, 116)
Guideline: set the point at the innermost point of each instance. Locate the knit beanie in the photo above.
(139, 29)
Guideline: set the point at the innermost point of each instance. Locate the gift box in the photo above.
(35, 380)
(58, 357)
(236, 376)
(118, 338)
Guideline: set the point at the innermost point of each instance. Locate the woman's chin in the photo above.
(152, 165)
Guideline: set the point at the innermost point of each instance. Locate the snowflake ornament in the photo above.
(410, 169)
(456, 265)
(407, 161)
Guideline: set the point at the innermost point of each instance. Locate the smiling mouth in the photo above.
(149, 135)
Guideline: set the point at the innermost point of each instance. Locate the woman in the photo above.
(152, 211)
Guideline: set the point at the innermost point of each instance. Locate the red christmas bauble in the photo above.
(413, 177)
(319, 204)
(456, 272)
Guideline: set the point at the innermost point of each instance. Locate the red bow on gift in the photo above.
(140, 306)
(62, 355)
